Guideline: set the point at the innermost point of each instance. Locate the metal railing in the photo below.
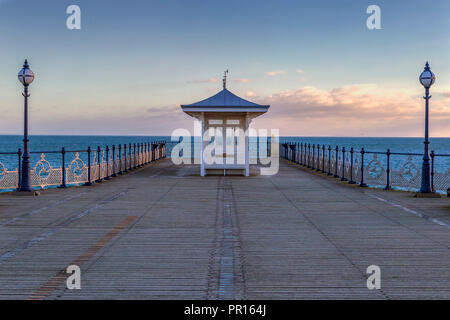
(388, 170)
(78, 167)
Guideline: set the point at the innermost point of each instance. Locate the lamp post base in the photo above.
(427, 195)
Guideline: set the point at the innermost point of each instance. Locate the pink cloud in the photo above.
(276, 73)
(360, 109)
(244, 80)
(210, 80)
(250, 94)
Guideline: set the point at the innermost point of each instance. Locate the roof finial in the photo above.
(225, 79)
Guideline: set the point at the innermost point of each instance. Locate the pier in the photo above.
(162, 231)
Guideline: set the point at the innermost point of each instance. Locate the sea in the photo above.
(49, 143)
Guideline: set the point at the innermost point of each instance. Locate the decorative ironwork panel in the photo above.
(442, 180)
(8, 179)
(346, 173)
(339, 164)
(333, 163)
(43, 174)
(407, 177)
(77, 171)
(374, 172)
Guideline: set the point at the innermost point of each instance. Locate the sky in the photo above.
(132, 64)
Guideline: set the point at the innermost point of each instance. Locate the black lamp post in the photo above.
(26, 77)
(427, 78)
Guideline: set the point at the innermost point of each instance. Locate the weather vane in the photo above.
(225, 78)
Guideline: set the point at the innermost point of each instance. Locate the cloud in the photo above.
(300, 71)
(210, 80)
(360, 109)
(250, 94)
(276, 73)
(244, 80)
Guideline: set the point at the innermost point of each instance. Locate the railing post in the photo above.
(152, 151)
(114, 167)
(141, 155)
(107, 163)
(329, 160)
(89, 182)
(323, 158)
(125, 169)
(287, 151)
(120, 159)
(19, 168)
(130, 152)
(313, 156)
(63, 168)
(336, 162)
(318, 158)
(432, 170)
(144, 156)
(362, 184)
(301, 153)
(127, 156)
(343, 178)
(134, 156)
(164, 147)
(388, 170)
(351, 166)
(305, 155)
(99, 176)
(294, 152)
(138, 155)
(309, 155)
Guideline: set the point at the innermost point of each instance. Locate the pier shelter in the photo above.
(225, 119)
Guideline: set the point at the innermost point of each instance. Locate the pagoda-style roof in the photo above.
(224, 98)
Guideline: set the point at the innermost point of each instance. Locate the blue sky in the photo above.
(133, 62)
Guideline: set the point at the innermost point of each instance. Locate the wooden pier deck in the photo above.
(164, 232)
